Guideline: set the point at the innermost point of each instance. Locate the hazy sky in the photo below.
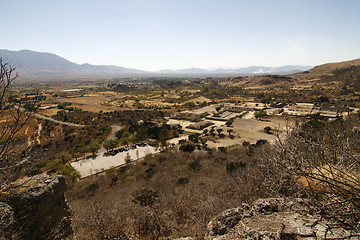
(159, 34)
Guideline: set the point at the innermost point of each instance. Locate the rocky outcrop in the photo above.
(35, 208)
(275, 218)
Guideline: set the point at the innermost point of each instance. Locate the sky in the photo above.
(175, 34)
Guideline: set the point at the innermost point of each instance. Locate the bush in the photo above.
(145, 197)
(63, 169)
(267, 130)
(183, 181)
(90, 188)
(234, 166)
(187, 147)
(260, 142)
(195, 165)
(320, 162)
(260, 114)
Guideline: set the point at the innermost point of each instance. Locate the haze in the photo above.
(159, 34)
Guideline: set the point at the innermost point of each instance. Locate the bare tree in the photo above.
(322, 163)
(12, 116)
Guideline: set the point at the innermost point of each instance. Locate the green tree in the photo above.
(205, 131)
(127, 158)
(94, 147)
(132, 139)
(265, 100)
(124, 141)
(229, 122)
(187, 147)
(190, 105)
(267, 130)
(110, 144)
(76, 155)
(260, 114)
(64, 157)
(163, 136)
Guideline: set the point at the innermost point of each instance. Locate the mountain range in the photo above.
(31, 64)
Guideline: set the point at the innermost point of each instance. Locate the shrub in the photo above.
(267, 130)
(195, 165)
(183, 181)
(260, 114)
(234, 166)
(145, 197)
(187, 147)
(90, 188)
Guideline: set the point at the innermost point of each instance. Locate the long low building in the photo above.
(225, 115)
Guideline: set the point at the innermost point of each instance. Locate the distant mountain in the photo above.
(185, 71)
(31, 64)
(40, 65)
(289, 69)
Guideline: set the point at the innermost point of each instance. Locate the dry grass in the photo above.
(182, 209)
(91, 102)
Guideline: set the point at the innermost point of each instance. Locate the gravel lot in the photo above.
(100, 163)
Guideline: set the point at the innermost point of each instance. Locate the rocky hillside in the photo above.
(336, 81)
(35, 208)
(331, 67)
(275, 218)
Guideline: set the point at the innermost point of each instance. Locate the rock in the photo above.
(275, 218)
(227, 220)
(35, 208)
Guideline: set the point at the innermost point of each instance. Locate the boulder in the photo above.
(35, 208)
(275, 218)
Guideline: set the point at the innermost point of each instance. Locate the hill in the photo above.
(330, 67)
(31, 64)
(336, 81)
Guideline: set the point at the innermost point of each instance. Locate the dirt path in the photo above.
(38, 132)
(53, 120)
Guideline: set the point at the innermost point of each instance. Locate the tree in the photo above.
(205, 131)
(94, 147)
(76, 155)
(203, 142)
(187, 147)
(265, 100)
(229, 122)
(321, 162)
(267, 130)
(194, 137)
(219, 130)
(124, 141)
(110, 144)
(230, 131)
(260, 114)
(163, 136)
(137, 153)
(212, 131)
(12, 117)
(127, 158)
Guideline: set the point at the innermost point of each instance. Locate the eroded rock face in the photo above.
(275, 218)
(35, 208)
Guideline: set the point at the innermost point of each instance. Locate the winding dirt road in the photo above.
(53, 120)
